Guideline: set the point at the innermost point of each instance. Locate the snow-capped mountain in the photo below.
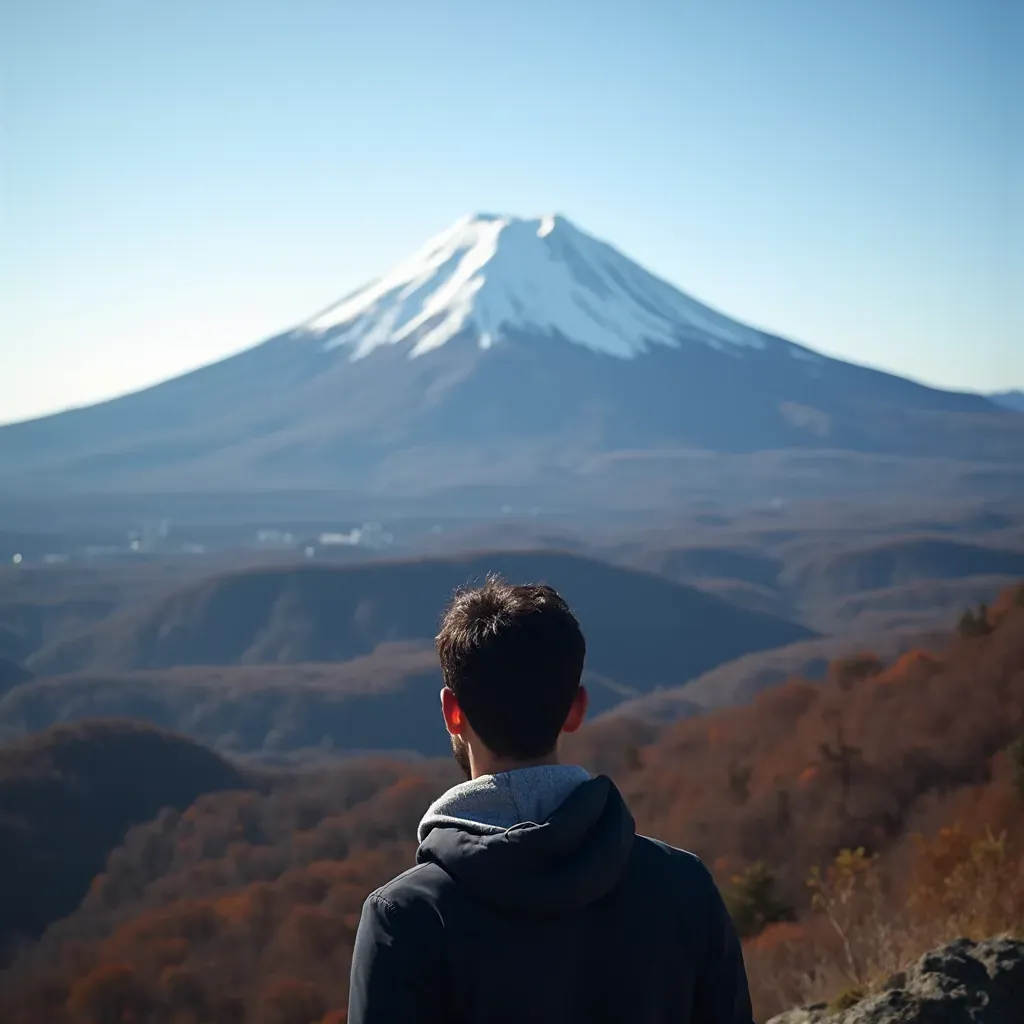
(492, 275)
(505, 351)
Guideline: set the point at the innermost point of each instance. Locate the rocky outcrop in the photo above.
(962, 983)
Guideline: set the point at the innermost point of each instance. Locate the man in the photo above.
(533, 900)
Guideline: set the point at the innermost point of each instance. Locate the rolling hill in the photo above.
(643, 630)
(284, 659)
(897, 563)
(69, 795)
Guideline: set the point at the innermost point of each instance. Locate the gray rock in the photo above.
(963, 983)
(806, 1015)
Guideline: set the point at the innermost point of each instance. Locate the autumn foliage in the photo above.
(851, 825)
(243, 908)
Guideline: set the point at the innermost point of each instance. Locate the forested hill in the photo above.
(851, 824)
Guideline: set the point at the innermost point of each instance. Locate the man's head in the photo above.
(511, 658)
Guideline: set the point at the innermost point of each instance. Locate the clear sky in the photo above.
(183, 179)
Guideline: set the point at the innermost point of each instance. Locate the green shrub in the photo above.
(753, 902)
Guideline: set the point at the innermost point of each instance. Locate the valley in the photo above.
(263, 655)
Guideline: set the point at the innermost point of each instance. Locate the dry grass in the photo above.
(866, 927)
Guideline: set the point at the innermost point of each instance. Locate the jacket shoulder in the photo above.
(670, 857)
(425, 883)
(678, 869)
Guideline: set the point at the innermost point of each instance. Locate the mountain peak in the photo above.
(544, 223)
(493, 277)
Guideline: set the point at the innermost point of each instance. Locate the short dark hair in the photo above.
(513, 656)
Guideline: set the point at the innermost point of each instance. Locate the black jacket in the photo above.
(574, 920)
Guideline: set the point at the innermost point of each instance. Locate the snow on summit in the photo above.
(490, 275)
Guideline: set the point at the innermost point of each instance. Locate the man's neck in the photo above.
(486, 763)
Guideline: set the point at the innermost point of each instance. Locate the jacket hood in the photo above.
(494, 803)
(558, 866)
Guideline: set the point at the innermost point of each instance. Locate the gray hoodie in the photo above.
(492, 804)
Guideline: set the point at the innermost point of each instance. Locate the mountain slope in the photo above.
(505, 349)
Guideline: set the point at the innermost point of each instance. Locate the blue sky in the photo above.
(181, 180)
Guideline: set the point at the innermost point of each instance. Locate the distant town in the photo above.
(161, 538)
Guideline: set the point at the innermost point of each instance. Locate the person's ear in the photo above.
(454, 719)
(577, 711)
